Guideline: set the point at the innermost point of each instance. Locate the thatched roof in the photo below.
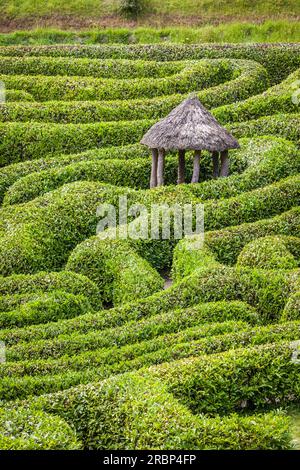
(189, 126)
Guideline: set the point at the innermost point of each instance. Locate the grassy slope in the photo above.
(99, 8)
(85, 13)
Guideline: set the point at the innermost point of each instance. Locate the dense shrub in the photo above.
(292, 308)
(264, 160)
(130, 330)
(29, 429)
(35, 377)
(73, 283)
(279, 59)
(250, 378)
(229, 242)
(63, 66)
(269, 253)
(249, 78)
(119, 272)
(127, 407)
(268, 291)
(48, 307)
(195, 76)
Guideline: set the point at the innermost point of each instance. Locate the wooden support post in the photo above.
(160, 167)
(196, 170)
(153, 179)
(181, 166)
(224, 163)
(215, 158)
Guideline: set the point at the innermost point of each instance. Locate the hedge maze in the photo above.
(98, 354)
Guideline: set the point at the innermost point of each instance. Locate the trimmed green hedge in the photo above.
(265, 160)
(280, 125)
(279, 59)
(292, 308)
(27, 247)
(129, 332)
(243, 378)
(270, 253)
(111, 353)
(277, 99)
(36, 377)
(195, 76)
(134, 173)
(119, 272)
(17, 95)
(30, 429)
(127, 407)
(116, 69)
(24, 141)
(11, 173)
(48, 307)
(267, 291)
(72, 283)
(248, 78)
(227, 243)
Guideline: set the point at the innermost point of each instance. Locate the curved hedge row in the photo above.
(279, 59)
(116, 69)
(271, 253)
(30, 429)
(128, 329)
(229, 242)
(119, 272)
(248, 78)
(72, 283)
(264, 160)
(134, 173)
(36, 377)
(126, 411)
(48, 307)
(132, 332)
(195, 76)
(24, 141)
(267, 291)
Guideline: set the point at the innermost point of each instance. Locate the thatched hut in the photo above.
(188, 127)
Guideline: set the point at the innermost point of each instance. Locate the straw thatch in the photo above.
(189, 127)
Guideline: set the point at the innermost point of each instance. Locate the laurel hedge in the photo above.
(266, 160)
(48, 282)
(35, 377)
(116, 69)
(116, 268)
(30, 429)
(248, 78)
(128, 406)
(195, 76)
(270, 253)
(228, 242)
(279, 59)
(267, 291)
(48, 307)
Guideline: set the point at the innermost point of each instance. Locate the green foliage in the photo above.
(119, 272)
(48, 307)
(29, 429)
(119, 412)
(72, 283)
(269, 253)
